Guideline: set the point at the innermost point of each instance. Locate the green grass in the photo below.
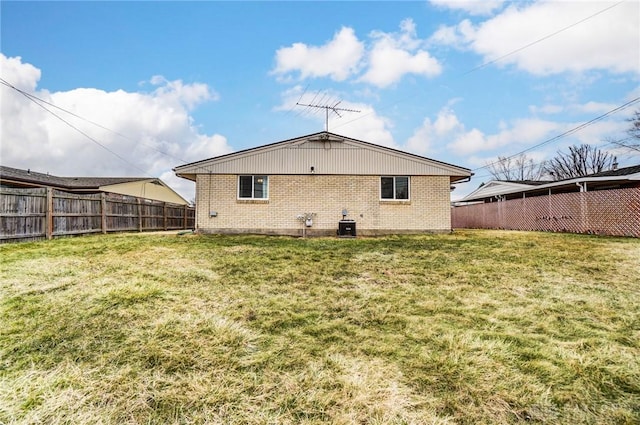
(477, 327)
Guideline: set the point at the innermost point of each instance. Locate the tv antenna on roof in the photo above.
(328, 107)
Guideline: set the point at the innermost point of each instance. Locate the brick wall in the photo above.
(607, 212)
(325, 196)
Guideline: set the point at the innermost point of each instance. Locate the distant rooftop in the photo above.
(28, 176)
(619, 172)
(620, 177)
(529, 182)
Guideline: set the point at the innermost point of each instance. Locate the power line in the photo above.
(541, 162)
(541, 39)
(35, 98)
(79, 131)
(568, 132)
(622, 145)
(497, 59)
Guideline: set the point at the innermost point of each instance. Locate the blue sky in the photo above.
(154, 84)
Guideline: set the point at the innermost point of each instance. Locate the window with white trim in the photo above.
(394, 188)
(253, 187)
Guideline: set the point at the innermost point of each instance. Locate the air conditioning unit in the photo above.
(347, 228)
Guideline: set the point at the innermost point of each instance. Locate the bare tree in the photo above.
(631, 143)
(517, 168)
(579, 161)
(634, 128)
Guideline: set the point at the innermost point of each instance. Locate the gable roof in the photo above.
(16, 175)
(626, 171)
(496, 188)
(327, 153)
(158, 190)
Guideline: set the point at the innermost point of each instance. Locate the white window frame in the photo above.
(253, 182)
(408, 198)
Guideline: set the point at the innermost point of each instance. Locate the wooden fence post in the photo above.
(184, 224)
(103, 212)
(164, 214)
(139, 214)
(48, 222)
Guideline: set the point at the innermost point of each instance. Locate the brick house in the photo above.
(321, 184)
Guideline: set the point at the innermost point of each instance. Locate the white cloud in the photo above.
(591, 108)
(24, 76)
(446, 122)
(471, 146)
(527, 132)
(609, 40)
(546, 109)
(176, 92)
(445, 126)
(456, 36)
(469, 142)
(394, 55)
(153, 131)
(365, 124)
(338, 59)
(383, 61)
(472, 7)
(523, 132)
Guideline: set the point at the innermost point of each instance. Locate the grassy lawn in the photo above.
(477, 327)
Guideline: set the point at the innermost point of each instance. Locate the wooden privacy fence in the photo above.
(45, 213)
(613, 212)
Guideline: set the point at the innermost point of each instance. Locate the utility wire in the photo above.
(541, 162)
(36, 100)
(622, 145)
(568, 132)
(78, 130)
(541, 39)
(497, 59)
(32, 97)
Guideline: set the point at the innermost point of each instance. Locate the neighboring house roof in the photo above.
(322, 153)
(497, 188)
(26, 178)
(626, 171)
(9, 174)
(526, 182)
(602, 180)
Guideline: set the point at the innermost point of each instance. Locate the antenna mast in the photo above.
(328, 108)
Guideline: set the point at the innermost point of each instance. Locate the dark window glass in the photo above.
(394, 187)
(260, 186)
(253, 187)
(402, 187)
(246, 183)
(386, 187)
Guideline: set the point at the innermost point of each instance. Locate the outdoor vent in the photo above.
(347, 228)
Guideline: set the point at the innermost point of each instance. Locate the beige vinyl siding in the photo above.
(146, 189)
(336, 160)
(327, 157)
